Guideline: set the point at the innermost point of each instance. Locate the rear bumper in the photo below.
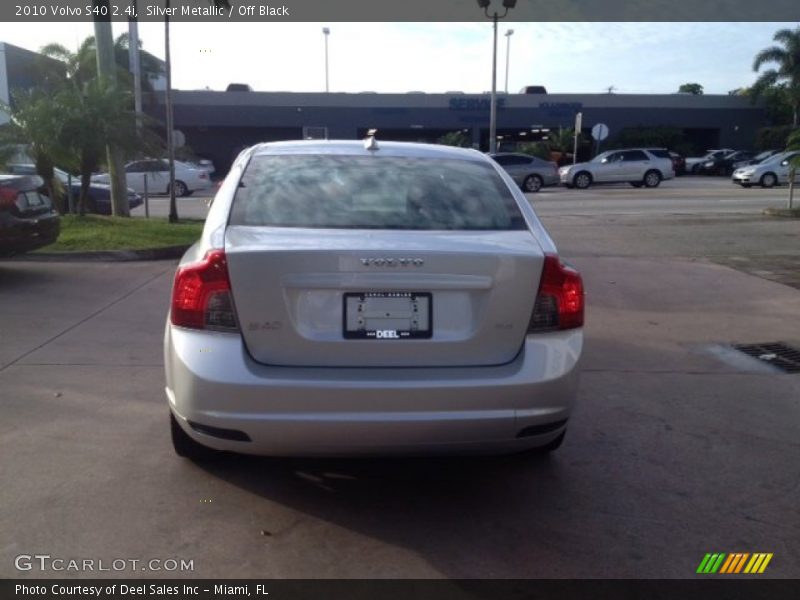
(213, 383)
(22, 235)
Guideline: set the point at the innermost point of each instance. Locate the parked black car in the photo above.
(27, 217)
(723, 165)
(99, 194)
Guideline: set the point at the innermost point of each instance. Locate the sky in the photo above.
(634, 58)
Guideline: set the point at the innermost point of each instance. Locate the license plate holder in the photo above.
(387, 315)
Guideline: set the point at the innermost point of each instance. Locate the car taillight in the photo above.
(560, 301)
(201, 295)
(8, 197)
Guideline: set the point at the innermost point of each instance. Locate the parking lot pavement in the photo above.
(671, 452)
(189, 207)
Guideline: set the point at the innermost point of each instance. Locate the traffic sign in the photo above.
(600, 132)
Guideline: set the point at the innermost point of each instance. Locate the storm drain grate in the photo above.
(779, 355)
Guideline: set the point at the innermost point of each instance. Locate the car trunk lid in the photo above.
(322, 297)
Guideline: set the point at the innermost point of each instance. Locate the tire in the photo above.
(532, 184)
(180, 188)
(186, 447)
(636, 184)
(582, 180)
(695, 169)
(768, 180)
(652, 179)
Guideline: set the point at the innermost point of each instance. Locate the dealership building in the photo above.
(218, 124)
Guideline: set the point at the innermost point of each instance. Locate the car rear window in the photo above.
(373, 192)
(660, 153)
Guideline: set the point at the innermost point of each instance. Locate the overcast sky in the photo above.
(439, 57)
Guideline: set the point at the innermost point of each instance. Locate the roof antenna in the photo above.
(370, 143)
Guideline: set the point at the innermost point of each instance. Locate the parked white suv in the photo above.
(636, 166)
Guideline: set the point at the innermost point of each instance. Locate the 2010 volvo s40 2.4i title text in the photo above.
(352, 298)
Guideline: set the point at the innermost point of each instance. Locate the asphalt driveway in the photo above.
(673, 451)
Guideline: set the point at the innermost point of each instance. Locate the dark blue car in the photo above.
(99, 194)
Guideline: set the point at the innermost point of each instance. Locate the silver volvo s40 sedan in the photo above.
(352, 298)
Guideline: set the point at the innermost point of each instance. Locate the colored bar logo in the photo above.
(734, 563)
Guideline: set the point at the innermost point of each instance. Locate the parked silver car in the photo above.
(371, 298)
(768, 173)
(637, 166)
(531, 173)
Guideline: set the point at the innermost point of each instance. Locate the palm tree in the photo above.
(94, 116)
(786, 57)
(81, 65)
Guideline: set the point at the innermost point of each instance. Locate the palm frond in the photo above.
(769, 55)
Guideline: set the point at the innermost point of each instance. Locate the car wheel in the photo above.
(532, 183)
(186, 447)
(652, 179)
(768, 180)
(636, 184)
(695, 169)
(180, 188)
(582, 180)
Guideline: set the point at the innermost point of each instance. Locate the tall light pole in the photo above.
(135, 66)
(484, 4)
(509, 33)
(326, 31)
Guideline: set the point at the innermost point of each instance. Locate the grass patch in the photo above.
(96, 233)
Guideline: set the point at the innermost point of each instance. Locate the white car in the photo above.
(203, 164)
(768, 173)
(187, 178)
(371, 298)
(636, 166)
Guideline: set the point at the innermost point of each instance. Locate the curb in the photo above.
(794, 213)
(164, 253)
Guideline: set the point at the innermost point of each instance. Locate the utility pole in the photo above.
(326, 31)
(135, 65)
(173, 206)
(484, 4)
(509, 33)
